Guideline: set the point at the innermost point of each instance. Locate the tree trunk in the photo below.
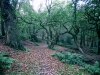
(91, 43)
(99, 42)
(83, 38)
(2, 21)
(43, 35)
(57, 40)
(50, 31)
(2, 27)
(99, 46)
(12, 36)
(98, 33)
(79, 48)
(51, 44)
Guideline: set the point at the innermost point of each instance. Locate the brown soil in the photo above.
(38, 60)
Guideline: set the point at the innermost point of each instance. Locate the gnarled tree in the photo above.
(92, 11)
(10, 20)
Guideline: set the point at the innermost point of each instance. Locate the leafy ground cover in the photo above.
(38, 61)
(77, 59)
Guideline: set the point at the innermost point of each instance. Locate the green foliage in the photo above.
(71, 70)
(67, 45)
(59, 55)
(5, 62)
(69, 57)
(69, 40)
(24, 36)
(71, 47)
(39, 39)
(94, 50)
(73, 58)
(60, 44)
(93, 69)
(36, 44)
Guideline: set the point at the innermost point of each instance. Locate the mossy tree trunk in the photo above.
(2, 28)
(2, 21)
(11, 29)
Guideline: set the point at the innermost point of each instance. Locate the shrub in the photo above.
(36, 44)
(69, 40)
(39, 39)
(24, 36)
(94, 50)
(93, 69)
(5, 62)
(71, 58)
(60, 44)
(59, 55)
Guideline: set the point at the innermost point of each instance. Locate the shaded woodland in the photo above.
(71, 24)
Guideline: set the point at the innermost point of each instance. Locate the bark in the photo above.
(78, 46)
(12, 36)
(2, 27)
(76, 29)
(57, 40)
(81, 40)
(92, 43)
(99, 46)
(99, 42)
(34, 35)
(43, 35)
(50, 31)
(51, 45)
(2, 21)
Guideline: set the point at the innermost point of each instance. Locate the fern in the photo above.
(73, 58)
(69, 57)
(5, 62)
(93, 69)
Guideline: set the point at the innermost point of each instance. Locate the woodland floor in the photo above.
(38, 61)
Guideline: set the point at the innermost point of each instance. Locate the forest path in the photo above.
(43, 61)
(38, 60)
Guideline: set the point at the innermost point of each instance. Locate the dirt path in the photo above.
(46, 64)
(38, 60)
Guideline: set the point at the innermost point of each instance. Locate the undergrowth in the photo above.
(69, 69)
(36, 44)
(69, 57)
(70, 46)
(5, 62)
(93, 69)
(73, 58)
